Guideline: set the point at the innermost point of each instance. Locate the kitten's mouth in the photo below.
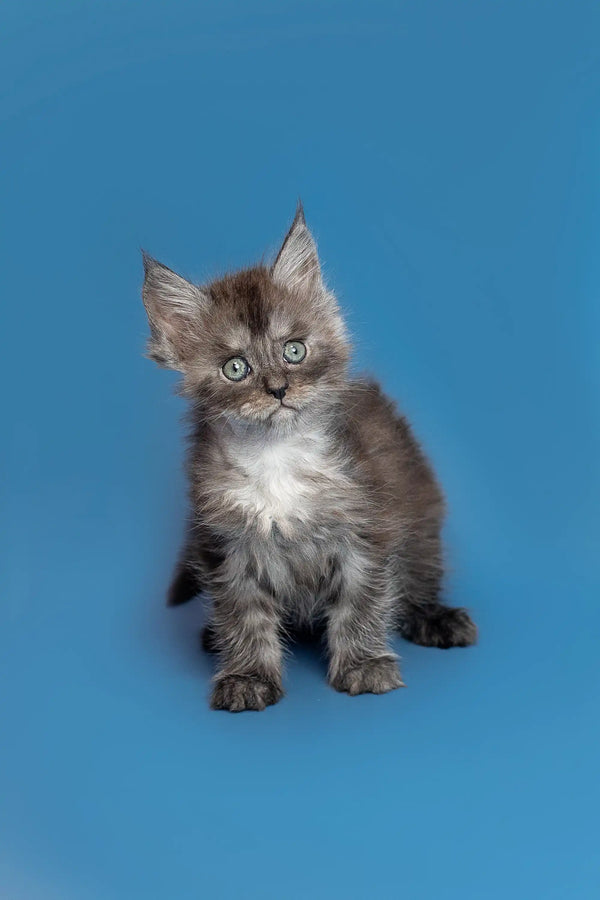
(283, 406)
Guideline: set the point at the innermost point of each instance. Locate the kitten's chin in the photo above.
(281, 420)
(277, 415)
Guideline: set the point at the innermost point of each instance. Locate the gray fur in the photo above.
(313, 509)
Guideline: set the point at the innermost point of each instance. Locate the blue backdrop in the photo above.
(448, 159)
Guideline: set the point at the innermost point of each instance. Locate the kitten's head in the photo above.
(261, 346)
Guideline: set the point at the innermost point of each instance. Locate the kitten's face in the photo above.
(262, 346)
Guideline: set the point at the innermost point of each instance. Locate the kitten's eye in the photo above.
(294, 351)
(236, 368)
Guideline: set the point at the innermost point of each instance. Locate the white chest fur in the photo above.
(281, 479)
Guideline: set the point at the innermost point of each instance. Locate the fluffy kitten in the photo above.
(312, 504)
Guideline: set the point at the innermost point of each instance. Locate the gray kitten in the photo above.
(312, 504)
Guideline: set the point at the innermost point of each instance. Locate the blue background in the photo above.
(448, 159)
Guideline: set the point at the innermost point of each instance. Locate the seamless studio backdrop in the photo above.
(448, 158)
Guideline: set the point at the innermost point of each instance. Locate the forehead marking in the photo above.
(256, 312)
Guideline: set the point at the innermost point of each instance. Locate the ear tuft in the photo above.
(297, 265)
(299, 217)
(174, 307)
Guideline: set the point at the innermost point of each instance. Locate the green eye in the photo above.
(294, 351)
(236, 368)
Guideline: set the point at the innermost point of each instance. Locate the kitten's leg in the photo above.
(246, 628)
(200, 557)
(360, 660)
(185, 584)
(420, 616)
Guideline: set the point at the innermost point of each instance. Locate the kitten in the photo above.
(312, 504)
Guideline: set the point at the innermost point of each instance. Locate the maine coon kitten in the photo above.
(312, 504)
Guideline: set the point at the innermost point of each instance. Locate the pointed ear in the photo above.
(297, 265)
(174, 308)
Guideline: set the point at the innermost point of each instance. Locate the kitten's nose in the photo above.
(277, 392)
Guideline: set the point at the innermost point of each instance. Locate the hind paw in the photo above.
(443, 627)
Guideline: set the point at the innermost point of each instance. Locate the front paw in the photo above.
(237, 693)
(373, 676)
